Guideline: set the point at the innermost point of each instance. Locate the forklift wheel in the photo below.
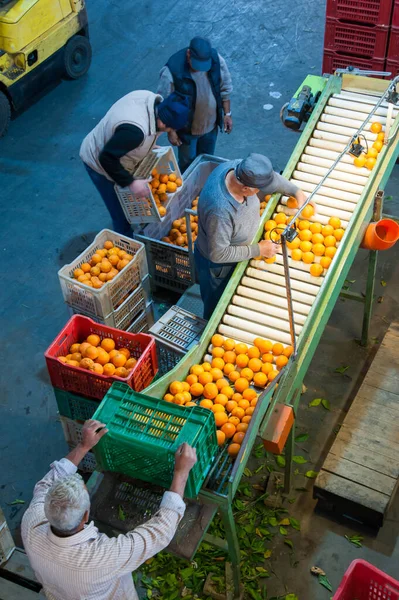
(5, 114)
(77, 57)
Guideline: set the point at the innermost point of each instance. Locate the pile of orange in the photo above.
(100, 356)
(103, 266)
(264, 204)
(161, 185)
(369, 158)
(178, 233)
(313, 239)
(224, 384)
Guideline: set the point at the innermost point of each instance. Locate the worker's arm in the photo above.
(126, 138)
(287, 188)
(133, 549)
(226, 87)
(165, 83)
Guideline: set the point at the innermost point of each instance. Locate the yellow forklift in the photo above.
(40, 42)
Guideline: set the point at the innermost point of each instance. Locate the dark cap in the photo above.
(200, 54)
(174, 111)
(255, 171)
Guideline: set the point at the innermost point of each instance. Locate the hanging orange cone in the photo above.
(381, 235)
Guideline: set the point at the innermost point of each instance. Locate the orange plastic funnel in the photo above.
(381, 235)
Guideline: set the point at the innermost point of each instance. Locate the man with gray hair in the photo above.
(71, 559)
(228, 219)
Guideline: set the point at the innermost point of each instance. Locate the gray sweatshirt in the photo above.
(226, 227)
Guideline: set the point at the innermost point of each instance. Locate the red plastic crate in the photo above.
(395, 14)
(365, 582)
(393, 47)
(373, 12)
(334, 60)
(359, 40)
(79, 381)
(393, 67)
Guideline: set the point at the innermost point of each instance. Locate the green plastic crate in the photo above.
(144, 434)
(74, 406)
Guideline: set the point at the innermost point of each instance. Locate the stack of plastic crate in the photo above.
(78, 391)
(125, 301)
(357, 34)
(392, 63)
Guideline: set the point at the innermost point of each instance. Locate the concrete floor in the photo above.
(50, 212)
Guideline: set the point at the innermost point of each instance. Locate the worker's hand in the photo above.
(139, 188)
(301, 199)
(92, 433)
(228, 124)
(267, 248)
(185, 459)
(174, 138)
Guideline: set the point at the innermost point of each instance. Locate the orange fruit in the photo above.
(281, 361)
(221, 437)
(241, 384)
(255, 365)
(231, 405)
(296, 254)
(130, 363)
(86, 363)
(267, 358)
(228, 429)
(121, 372)
(241, 348)
(263, 345)
(99, 370)
(196, 369)
(236, 397)
(187, 396)
(266, 368)
(191, 379)
(83, 347)
(277, 349)
(325, 262)
(253, 352)
(308, 257)
(242, 427)
(288, 350)
(196, 389)
(330, 241)
(93, 339)
(108, 344)
(238, 437)
(335, 222)
(229, 344)
(260, 379)
(205, 378)
(327, 230)
(339, 234)
(270, 224)
(96, 258)
(242, 360)
(243, 404)
(164, 178)
(77, 356)
(359, 161)
(249, 394)
(306, 246)
(318, 249)
(227, 391)
(233, 376)
(247, 419)
(233, 449)
(315, 227)
(292, 202)
(113, 259)
(186, 386)
(220, 418)
(249, 411)
(330, 251)
(92, 352)
(85, 267)
(168, 397)
(254, 402)
(228, 368)
(234, 420)
(109, 369)
(305, 235)
(280, 218)
(74, 348)
(221, 399)
(206, 366)
(171, 187)
(272, 375)
(370, 163)
(206, 404)
(317, 238)
(175, 388)
(371, 153)
(217, 352)
(221, 383)
(103, 358)
(238, 412)
(172, 177)
(380, 136)
(376, 127)
(294, 244)
(216, 374)
(218, 408)
(308, 211)
(119, 359)
(217, 363)
(303, 224)
(247, 373)
(108, 245)
(316, 270)
(230, 357)
(210, 391)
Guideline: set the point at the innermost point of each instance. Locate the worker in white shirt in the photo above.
(70, 557)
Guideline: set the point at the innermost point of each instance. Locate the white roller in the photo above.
(269, 309)
(260, 330)
(350, 110)
(361, 98)
(330, 182)
(327, 154)
(260, 296)
(345, 132)
(260, 318)
(320, 217)
(325, 163)
(350, 122)
(278, 269)
(239, 335)
(327, 145)
(271, 288)
(324, 191)
(327, 136)
(320, 201)
(301, 286)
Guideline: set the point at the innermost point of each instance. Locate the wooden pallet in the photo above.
(360, 474)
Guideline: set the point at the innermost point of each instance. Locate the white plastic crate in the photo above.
(88, 464)
(169, 265)
(72, 431)
(144, 321)
(100, 303)
(175, 333)
(145, 210)
(7, 545)
(128, 311)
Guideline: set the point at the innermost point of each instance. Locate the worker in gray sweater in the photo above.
(228, 219)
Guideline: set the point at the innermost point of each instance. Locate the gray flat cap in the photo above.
(255, 171)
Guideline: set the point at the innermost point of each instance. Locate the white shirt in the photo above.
(89, 565)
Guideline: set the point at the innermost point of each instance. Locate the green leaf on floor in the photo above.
(262, 571)
(291, 596)
(299, 460)
(326, 404)
(311, 474)
(247, 472)
(341, 370)
(303, 437)
(121, 514)
(315, 402)
(14, 502)
(325, 583)
(280, 460)
(295, 524)
(289, 543)
(272, 521)
(284, 522)
(291, 500)
(283, 531)
(383, 282)
(267, 554)
(356, 540)
(388, 198)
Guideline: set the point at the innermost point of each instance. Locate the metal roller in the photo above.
(240, 336)
(279, 280)
(346, 132)
(278, 269)
(330, 182)
(260, 296)
(344, 167)
(262, 318)
(259, 330)
(260, 307)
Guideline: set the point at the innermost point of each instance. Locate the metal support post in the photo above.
(226, 514)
